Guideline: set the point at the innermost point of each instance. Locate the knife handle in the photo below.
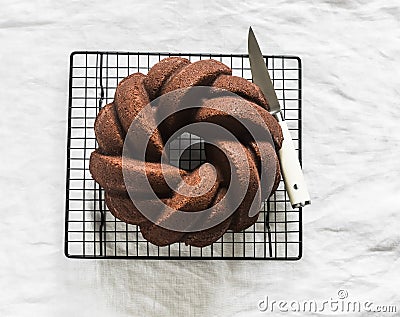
(292, 174)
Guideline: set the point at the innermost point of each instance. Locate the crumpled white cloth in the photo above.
(351, 55)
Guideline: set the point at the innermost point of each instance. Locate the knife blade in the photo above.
(292, 174)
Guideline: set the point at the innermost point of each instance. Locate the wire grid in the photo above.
(91, 231)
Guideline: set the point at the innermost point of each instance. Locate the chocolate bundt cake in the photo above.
(235, 104)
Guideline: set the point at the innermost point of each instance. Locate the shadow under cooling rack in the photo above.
(91, 231)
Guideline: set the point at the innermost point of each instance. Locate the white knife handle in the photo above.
(292, 174)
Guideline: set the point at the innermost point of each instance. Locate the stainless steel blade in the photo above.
(260, 73)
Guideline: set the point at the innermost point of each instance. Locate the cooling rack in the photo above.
(92, 232)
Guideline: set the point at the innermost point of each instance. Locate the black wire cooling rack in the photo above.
(91, 231)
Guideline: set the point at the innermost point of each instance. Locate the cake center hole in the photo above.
(186, 151)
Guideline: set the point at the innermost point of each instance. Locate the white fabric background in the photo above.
(350, 52)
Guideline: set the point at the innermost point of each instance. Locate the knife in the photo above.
(290, 165)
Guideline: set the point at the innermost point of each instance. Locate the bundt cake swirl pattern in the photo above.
(138, 90)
